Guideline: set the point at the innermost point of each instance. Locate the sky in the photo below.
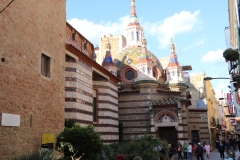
(195, 26)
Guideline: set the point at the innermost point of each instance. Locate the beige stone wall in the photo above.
(118, 42)
(28, 29)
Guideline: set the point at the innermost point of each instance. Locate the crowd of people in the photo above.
(226, 149)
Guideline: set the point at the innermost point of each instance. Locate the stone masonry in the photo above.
(29, 29)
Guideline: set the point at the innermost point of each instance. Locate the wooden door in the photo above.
(169, 134)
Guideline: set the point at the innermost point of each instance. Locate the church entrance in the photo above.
(195, 137)
(169, 134)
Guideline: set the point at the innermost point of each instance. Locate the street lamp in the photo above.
(210, 78)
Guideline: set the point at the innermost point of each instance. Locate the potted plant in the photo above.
(231, 54)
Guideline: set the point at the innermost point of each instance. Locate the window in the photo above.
(94, 110)
(45, 65)
(137, 36)
(129, 75)
(73, 35)
(70, 59)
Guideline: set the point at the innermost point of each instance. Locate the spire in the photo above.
(144, 58)
(173, 62)
(144, 41)
(108, 57)
(133, 20)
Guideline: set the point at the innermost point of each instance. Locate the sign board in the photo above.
(47, 138)
(230, 103)
(10, 120)
(230, 109)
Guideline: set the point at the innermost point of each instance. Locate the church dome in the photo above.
(129, 58)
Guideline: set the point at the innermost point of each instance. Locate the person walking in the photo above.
(194, 150)
(238, 144)
(221, 149)
(179, 151)
(189, 151)
(185, 147)
(199, 151)
(207, 149)
(170, 152)
(227, 146)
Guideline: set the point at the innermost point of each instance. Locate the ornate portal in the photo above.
(165, 118)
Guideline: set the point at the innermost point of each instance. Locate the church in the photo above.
(153, 95)
(52, 72)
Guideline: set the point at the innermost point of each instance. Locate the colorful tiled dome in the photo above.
(132, 56)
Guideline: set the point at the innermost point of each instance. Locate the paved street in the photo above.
(213, 156)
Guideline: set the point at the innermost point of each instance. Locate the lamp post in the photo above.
(210, 78)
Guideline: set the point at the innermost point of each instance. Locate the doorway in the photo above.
(195, 136)
(169, 134)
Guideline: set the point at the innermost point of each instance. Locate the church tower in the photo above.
(134, 30)
(145, 65)
(107, 62)
(175, 79)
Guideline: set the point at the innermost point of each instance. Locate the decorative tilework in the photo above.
(107, 94)
(78, 110)
(107, 117)
(78, 80)
(78, 90)
(108, 110)
(105, 87)
(70, 79)
(68, 99)
(105, 125)
(109, 102)
(70, 69)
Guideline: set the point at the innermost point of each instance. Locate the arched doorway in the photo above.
(166, 123)
(169, 134)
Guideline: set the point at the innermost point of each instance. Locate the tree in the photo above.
(79, 140)
(146, 147)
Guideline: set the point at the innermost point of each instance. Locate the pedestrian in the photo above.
(199, 151)
(221, 149)
(217, 143)
(170, 152)
(185, 147)
(194, 150)
(189, 151)
(179, 151)
(238, 144)
(227, 146)
(207, 149)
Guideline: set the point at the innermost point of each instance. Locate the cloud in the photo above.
(213, 56)
(178, 23)
(93, 31)
(163, 31)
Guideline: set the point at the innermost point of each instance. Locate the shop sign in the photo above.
(230, 109)
(230, 103)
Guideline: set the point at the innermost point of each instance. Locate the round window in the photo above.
(129, 75)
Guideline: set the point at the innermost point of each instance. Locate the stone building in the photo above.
(118, 43)
(198, 111)
(48, 73)
(91, 91)
(154, 95)
(31, 74)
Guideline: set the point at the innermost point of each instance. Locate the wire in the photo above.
(6, 6)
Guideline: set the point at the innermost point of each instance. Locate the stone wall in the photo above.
(28, 30)
(107, 111)
(78, 91)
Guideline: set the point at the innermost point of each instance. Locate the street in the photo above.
(214, 155)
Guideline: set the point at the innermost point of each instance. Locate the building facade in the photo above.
(31, 74)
